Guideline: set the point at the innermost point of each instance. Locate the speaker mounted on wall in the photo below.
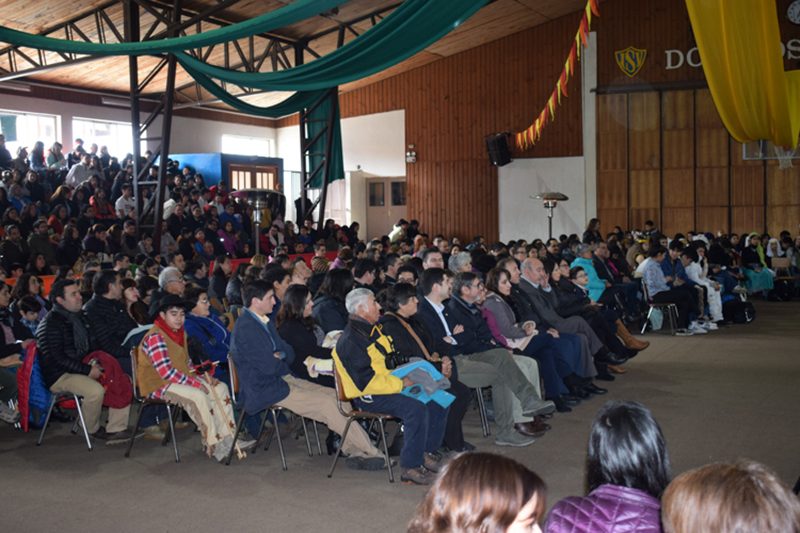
(497, 147)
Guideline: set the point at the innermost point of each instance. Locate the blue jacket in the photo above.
(253, 345)
(596, 285)
(211, 333)
(676, 270)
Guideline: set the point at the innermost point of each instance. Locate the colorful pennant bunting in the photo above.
(533, 133)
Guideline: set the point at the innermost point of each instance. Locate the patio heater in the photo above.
(550, 201)
(261, 199)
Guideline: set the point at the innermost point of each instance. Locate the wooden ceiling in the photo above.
(496, 20)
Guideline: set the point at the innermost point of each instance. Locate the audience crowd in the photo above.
(407, 325)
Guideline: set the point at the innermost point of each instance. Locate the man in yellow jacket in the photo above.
(360, 357)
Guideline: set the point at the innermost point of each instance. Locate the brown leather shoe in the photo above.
(529, 429)
(617, 369)
(541, 424)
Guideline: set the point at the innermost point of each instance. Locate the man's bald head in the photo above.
(531, 269)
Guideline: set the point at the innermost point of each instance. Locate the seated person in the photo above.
(482, 492)
(10, 357)
(744, 496)
(206, 330)
(712, 290)
(63, 343)
(410, 338)
(29, 309)
(263, 362)
(360, 361)
(481, 362)
(660, 292)
(627, 469)
(108, 319)
(165, 372)
(296, 326)
(329, 309)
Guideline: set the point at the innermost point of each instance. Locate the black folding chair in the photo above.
(143, 402)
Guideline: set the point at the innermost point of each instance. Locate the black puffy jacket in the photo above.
(57, 353)
(330, 314)
(110, 323)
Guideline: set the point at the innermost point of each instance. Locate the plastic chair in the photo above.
(57, 397)
(143, 402)
(357, 414)
(671, 309)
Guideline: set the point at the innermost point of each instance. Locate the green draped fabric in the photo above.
(409, 29)
(285, 16)
(317, 121)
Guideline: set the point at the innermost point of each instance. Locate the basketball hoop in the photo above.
(784, 156)
(764, 150)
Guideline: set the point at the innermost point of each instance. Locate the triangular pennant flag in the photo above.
(563, 83)
(595, 10)
(583, 30)
(572, 53)
(578, 47)
(558, 89)
(551, 105)
(588, 11)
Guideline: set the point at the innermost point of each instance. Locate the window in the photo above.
(398, 193)
(376, 194)
(243, 145)
(253, 177)
(24, 129)
(117, 136)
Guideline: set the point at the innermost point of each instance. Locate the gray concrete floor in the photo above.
(729, 394)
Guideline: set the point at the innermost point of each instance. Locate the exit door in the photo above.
(386, 204)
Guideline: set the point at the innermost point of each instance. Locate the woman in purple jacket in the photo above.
(627, 470)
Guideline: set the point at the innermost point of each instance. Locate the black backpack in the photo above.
(738, 312)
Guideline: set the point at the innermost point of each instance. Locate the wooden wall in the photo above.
(452, 104)
(663, 152)
(665, 156)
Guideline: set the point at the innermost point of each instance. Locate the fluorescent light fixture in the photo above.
(115, 102)
(13, 86)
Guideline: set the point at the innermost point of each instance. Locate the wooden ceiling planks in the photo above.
(496, 20)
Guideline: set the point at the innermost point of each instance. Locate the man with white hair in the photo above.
(170, 281)
(360, 357)
(263, 362)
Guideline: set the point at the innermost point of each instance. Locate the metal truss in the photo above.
(149, 214)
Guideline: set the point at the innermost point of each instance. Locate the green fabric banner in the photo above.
(285, 16)
(409, 29)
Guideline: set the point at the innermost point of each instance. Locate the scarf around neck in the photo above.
(176, 336)
(79, 333)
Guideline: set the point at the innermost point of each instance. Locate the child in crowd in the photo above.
(29, 308)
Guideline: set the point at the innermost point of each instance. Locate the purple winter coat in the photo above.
(607, 509)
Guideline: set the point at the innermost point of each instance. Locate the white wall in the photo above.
(523, 217)
(193, 135)
(372, 145)
(67, 111)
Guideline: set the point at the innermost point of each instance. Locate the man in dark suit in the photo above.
(262, 359)
(481, 363)
(534, 283)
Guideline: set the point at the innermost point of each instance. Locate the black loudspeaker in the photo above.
(497, 146)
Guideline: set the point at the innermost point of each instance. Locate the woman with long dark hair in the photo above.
(220, 277)
(329, 310)
(627, 470)
(296, 326)
(28, 285)
(412, 339)
(69, 249)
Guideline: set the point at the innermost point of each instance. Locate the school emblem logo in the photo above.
(630, 60)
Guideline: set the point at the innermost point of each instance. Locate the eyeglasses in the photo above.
(479, 285)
